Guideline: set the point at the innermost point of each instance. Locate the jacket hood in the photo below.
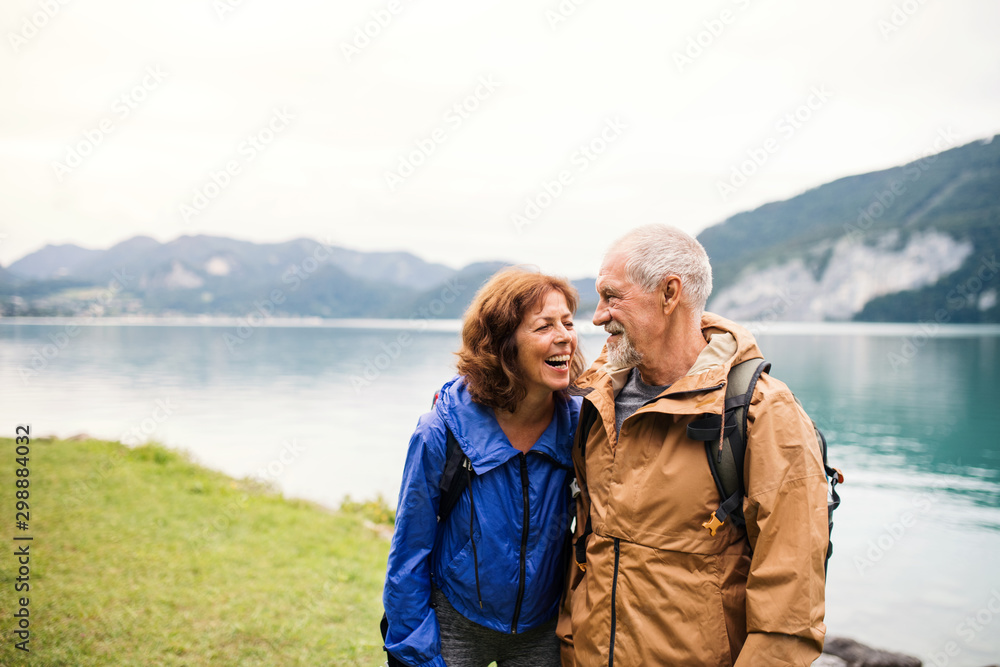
(728, 344)
(478, 433)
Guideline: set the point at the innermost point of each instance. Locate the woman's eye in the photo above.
(568, 325)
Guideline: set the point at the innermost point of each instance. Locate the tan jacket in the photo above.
(659, 589)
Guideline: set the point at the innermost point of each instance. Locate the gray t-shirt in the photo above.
(633, 396)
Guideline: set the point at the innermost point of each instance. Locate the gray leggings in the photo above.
(468, 644)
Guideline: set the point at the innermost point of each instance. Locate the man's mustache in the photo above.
(614, 328)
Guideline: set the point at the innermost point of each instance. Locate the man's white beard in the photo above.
(623, 354)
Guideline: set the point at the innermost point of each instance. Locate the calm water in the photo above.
(326, 411)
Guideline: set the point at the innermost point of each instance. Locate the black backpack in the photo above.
(725, 459)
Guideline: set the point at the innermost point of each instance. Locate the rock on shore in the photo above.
(843, 652)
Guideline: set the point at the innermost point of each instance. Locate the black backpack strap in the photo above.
(725, 441)
(588, 417)
(455, 477)
(726, 451)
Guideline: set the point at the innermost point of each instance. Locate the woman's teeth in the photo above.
(558, 361)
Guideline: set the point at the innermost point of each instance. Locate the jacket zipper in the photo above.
(614, 590)
(524, 542)
(614, 580)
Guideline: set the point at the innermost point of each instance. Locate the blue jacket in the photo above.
(422, 550)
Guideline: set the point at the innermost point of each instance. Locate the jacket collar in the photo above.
(478, 433)
(728, 344)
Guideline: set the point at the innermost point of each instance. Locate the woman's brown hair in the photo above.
(488, 358)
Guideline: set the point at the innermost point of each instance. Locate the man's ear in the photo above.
(670, 294)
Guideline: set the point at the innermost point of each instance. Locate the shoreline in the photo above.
(879, 329)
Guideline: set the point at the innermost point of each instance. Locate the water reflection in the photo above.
(917, 437)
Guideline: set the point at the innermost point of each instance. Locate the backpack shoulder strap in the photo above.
(455, 479)
(725, 440)
(453, 484)
(588, 417)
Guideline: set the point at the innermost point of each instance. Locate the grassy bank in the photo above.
(140, 557)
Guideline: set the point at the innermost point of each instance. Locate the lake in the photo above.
(325, 409)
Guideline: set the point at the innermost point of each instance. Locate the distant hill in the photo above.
(222, 276)
(224, 256)
(195, 275)
(911, 243)
(54, 261)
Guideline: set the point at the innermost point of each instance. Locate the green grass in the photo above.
(141, 557)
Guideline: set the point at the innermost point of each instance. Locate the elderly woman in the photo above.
(484, 583)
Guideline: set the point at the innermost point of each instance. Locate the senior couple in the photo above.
(493, 579)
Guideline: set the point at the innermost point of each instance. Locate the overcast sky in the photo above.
(431, 125)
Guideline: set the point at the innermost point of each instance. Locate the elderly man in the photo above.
(659, 585)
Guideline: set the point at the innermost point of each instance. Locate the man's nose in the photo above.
(601, 316)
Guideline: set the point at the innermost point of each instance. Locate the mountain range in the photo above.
(913, 243)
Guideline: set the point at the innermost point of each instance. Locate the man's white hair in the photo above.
(654, 252)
